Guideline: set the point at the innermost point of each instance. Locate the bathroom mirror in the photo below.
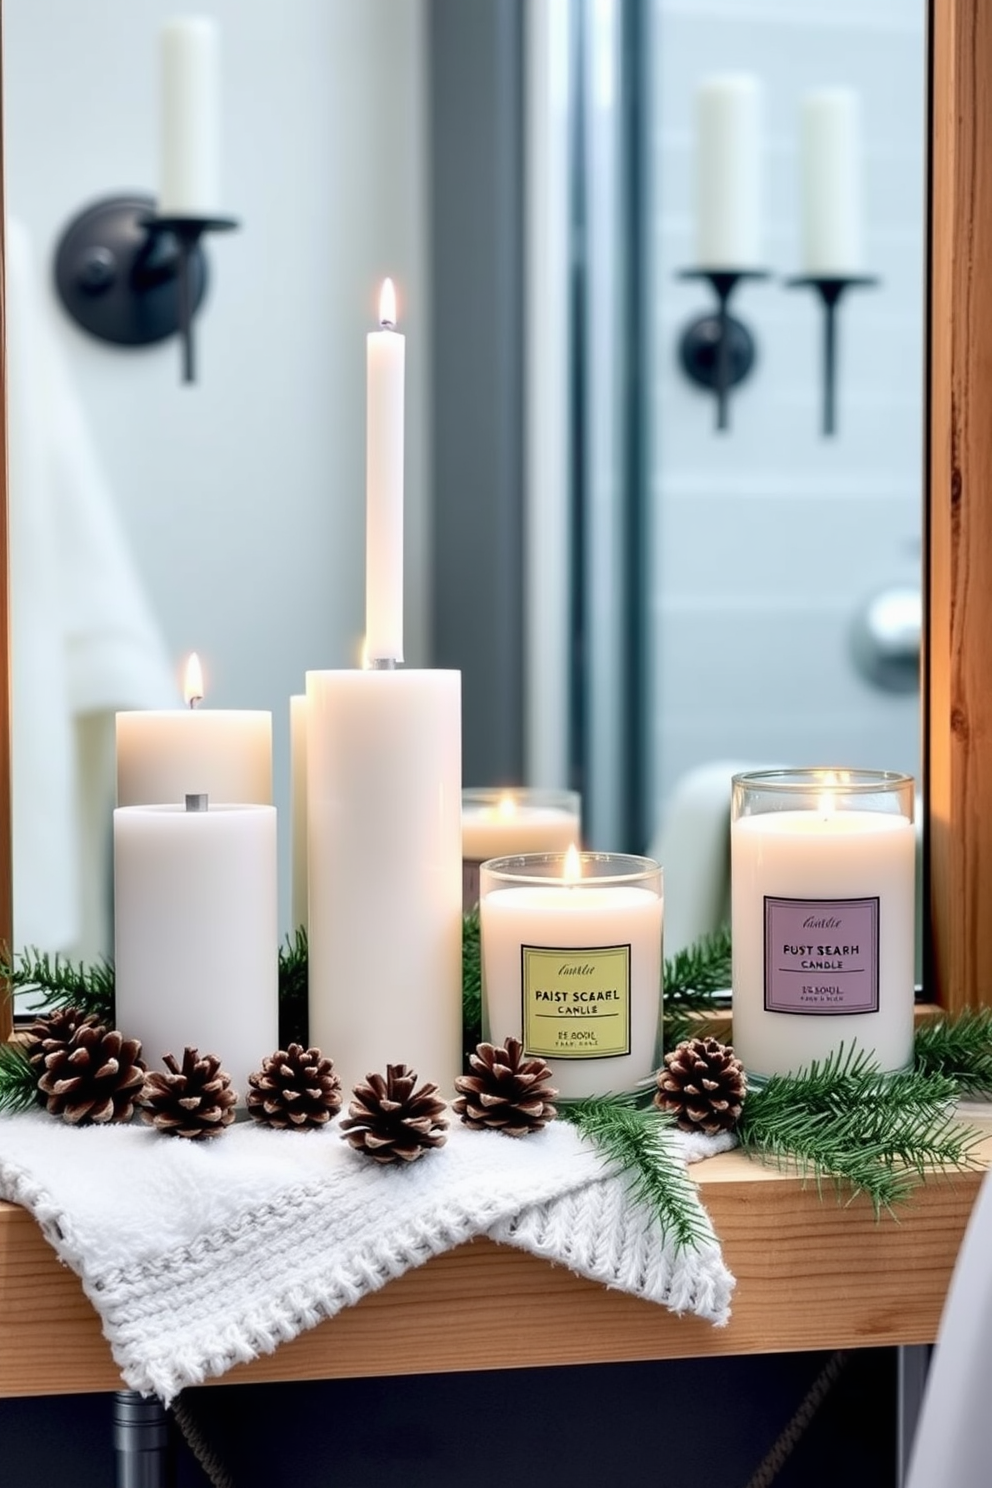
(181, 462)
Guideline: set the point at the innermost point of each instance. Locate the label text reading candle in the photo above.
(821, 956)
(576, 1003)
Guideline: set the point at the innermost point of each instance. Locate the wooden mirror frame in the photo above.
(957, 662)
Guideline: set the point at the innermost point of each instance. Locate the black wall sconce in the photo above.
(830, 288)
(132, 277)
(717, 351)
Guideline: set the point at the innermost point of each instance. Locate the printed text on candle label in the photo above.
(576, 1004)
(821, 956)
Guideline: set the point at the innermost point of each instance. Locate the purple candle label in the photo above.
(821, 956)
(576, 1003)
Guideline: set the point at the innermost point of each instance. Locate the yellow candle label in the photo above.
(576, 1003)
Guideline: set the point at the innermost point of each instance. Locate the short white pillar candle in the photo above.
(831, 184)
(498, 822)
(728, 172)
(196, 932)
(572, 964)
(823, 907)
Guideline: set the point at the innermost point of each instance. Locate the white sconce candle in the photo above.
(384, 847)
(165, 754)
(728, 172)
(498, 823)
(572, 964)
(196, 931)
(823, 907)
(385, 355)
(831, 186)
(298, 805)
(190, 102)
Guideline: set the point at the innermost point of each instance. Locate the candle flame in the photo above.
(507, 808)
(572, 869)
(827, 803)
(193, 685)
(387, 304)
(363, 653)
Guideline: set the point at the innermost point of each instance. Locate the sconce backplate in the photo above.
(118, 280)
(699, 350)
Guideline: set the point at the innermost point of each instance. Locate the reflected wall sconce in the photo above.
(717, 351)
(131, 276)
(830, 288)
(129, 269)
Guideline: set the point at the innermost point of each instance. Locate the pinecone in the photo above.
(53, 1031)
(505, 1091)
(95, 1076)
(703, 1084)
(195, 1101)
(296, 1088)
(391, 1121)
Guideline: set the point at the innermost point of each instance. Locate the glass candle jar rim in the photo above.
(514, 869)
(802, 781)
(528, 795)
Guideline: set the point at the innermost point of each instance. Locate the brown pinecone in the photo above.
(53, 1031)
(505, 1091)
(390, 1120)
(703, 1084)
(94, 1077)
(296, 1088)
(195, 1101)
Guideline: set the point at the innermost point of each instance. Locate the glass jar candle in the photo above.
(572, 964)
(822, 907)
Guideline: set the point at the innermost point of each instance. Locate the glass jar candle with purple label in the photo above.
(823, 904)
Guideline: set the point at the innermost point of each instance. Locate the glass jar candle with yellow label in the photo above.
(823, 904)
(572, 963)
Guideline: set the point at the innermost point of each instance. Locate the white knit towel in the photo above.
(198, 1256)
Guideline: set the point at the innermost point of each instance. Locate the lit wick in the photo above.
(387, 306)
(197, 802)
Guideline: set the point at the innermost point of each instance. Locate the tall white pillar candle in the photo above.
(823, 907)
(728, 172)
(497, 823)
(190, 118)
(384, 845)
(831, 183)
(572, 964)
(196, 932)
(298, 806)
(385, 354)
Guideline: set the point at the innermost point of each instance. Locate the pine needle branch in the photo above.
(692, 978)
(960, 1047)
(63, 983)
(18, 1079)
(635, 1142)
(471, 983)
(841, 1119)
(293, 993)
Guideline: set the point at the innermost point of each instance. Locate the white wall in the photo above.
(243, 496)
(768, 537)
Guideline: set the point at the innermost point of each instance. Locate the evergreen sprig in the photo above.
(842, 1120)
(293, 983)
(18, 1078)
(633, 1140)
(958, 1046)
(693, 977)
(471, 984)
(63, 983)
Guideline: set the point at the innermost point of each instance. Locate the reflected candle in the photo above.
(823, 904)
(571, 964)
(500, 823)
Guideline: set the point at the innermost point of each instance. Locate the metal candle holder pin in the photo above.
(717, 351)
(131, 277)
(830, 288)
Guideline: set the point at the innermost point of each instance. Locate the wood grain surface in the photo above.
(811, 1273)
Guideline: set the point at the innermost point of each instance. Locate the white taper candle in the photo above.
(384, 485)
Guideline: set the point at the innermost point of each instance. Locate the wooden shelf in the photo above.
(811, 1273)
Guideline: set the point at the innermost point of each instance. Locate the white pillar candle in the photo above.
(498, 823)
(165, 754)
(196, 932)
(823, 904)
(384, 485)
(190, 118)
(728, 172)
(831, 186)
(572, 965)
(298, 805)
(384, 848)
